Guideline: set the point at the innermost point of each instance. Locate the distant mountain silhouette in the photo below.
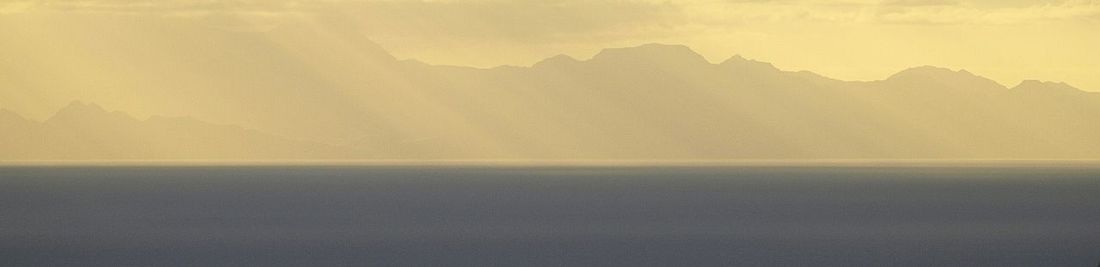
(935, 78)
(1048, 88)
(650, 56)
(665, 101)
(10, 119)
(349, 98)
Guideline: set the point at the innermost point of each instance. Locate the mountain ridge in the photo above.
(652, 101)
(630, 52)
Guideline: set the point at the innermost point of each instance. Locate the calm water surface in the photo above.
(550, 216)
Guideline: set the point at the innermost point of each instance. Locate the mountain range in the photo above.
(270, 95)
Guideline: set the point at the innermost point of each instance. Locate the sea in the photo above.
(813, 215)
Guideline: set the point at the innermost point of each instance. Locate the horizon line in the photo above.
(641, 163)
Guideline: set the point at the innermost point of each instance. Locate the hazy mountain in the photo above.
(334, 87)
(295, 80)
(665, 101)
(83, 131)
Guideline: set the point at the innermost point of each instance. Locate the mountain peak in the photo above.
(80, 106)
(1036, 86)
(652, 53)
(558, 60)
(10, 116)
(939, 77)
(929, 70)
(739, 62)
(81, 112)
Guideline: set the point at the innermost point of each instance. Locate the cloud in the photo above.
(14, 7)
(525, 21)
(152, 8)
(1065, 11)
(547, 21)
(535, 19)
(925, 12)
(911, 3)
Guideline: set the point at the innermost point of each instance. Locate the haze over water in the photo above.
(551, 215)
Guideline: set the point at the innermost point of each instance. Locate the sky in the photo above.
(324, 71)
(1006, 40)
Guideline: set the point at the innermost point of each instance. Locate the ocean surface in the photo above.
(550, 216)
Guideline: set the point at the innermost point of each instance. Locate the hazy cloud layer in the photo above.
(571, 19)
(577, 13)
(792, 33)
(482, 20)
(899, 11)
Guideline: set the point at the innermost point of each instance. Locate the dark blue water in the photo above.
(512, 216)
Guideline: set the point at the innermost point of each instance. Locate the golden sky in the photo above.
(1006, 40)
(319, 71)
